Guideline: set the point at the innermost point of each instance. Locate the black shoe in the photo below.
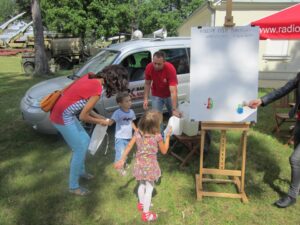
(285, 202)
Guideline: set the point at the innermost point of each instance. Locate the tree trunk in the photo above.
(41, 61)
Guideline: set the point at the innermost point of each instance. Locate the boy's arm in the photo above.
(120, 163)
(134, 127)
(114, 118)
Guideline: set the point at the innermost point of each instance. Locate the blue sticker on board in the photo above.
(240, 109)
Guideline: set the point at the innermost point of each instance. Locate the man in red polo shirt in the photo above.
(161, 77)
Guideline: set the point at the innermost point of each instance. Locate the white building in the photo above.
(278, 60)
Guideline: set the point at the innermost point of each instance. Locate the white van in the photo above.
(134, 55)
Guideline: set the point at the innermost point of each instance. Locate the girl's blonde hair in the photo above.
(150, 122)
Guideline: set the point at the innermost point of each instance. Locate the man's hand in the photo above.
(253, 104)
(145, 105)
(176, 113)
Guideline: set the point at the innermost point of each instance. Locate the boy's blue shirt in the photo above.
(123, 122)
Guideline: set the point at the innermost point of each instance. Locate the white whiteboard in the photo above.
(224, 73)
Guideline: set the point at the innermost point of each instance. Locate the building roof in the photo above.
(222, 4)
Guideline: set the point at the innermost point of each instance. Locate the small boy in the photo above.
(123, 117)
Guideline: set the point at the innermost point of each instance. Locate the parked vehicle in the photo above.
(64, 52)
(134, 55)
(11, 32)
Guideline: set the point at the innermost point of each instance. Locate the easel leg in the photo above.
(200, 178)
(222, 155)
(244, 144)
(238, 175)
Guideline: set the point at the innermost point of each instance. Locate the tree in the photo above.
(41, 61)
(7, 10)
(95, 19)
(24, 6)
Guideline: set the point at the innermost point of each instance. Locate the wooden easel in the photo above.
(238, 176)
(229, 18)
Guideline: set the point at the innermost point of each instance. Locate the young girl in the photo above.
(146, 169)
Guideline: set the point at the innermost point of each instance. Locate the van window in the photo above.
(136, 64)
(178, 57)
(97, 63)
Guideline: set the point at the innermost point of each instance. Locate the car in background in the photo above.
(134, 55)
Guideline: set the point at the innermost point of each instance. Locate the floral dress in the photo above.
(146, 166)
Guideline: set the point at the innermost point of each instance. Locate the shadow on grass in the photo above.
(44, 198)
(260, 159)
(34, 168)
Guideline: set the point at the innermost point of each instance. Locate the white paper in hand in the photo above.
(97, 138)
(166, 131)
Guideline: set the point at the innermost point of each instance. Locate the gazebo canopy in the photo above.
(284, 24)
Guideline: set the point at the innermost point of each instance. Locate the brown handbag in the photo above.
(48, 102)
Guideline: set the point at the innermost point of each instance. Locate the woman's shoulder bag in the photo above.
(48, 102)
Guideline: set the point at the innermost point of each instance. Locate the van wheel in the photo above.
(28, 68)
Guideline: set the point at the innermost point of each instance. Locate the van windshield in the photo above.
(97, 63)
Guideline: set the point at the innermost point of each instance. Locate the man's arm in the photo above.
(146, 93)
(173, 91)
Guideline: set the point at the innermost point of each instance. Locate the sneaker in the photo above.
(87, 176)
(126, 166)
(285, 202)
(81, 191)
(140, 207)
(122, 172)
(149, 216)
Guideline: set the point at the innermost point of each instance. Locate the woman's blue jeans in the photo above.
(78, 140)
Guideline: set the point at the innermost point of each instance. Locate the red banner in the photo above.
(284, 24)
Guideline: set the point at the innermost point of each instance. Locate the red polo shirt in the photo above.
(161, 80)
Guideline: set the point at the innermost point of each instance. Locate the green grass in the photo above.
(34, 176)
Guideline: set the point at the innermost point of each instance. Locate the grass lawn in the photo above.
(34, 176)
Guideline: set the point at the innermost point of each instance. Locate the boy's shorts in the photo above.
(120, 145)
